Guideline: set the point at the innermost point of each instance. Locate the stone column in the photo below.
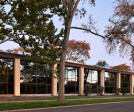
(16, 77)
(54, 81)
(81, 81)
(131, 84)
(102, 79)
(118, 80)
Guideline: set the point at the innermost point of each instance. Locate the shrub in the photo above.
(87, 89)
(125, 90)
(118, 90)
(100, 90)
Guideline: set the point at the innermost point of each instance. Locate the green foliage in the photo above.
(29, 23)
(87, 89)
(100, 90)
(101, 63)
(125, 90)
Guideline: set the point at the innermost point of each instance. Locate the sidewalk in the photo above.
(66, 99)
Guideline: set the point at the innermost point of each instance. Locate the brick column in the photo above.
(54, 81)
(118, 80)
(16, 77)
(81, 81)
(131, 83)
(102, 79)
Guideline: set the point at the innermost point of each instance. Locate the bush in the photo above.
(125, 90)
(87, 89)
(100, 90)
(118, 90)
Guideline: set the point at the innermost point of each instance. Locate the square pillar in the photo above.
(118, 80)
(54, 81)
(16, 77)
(81, 81)
(102, 79)
(131, 84)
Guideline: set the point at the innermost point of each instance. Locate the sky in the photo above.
(102, 11)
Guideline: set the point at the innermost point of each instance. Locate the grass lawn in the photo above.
(26, 98)
(29, 105)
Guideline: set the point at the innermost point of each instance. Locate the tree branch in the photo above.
(9, 39)
(88, 30)
(10, 11)
(74, 9)
(64, 4)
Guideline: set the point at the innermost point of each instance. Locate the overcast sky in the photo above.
(101, 12)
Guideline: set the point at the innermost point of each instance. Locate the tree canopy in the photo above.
(29, 23)
(120, 31)
(101, 63)
(122, 67)
(78, 51)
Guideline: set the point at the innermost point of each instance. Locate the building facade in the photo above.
(20, 76)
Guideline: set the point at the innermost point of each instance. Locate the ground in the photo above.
(16, 103)
(110, 107)
(27, 98)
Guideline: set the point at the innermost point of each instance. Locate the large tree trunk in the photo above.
(61, 96)
(68, 20)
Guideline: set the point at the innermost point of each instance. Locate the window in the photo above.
(35, 78)
(125, 82)
(92, 77)
(71, 80)
(110, 82)
(6, 76)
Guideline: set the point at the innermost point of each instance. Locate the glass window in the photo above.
(110, 82)
(92, 77)
(125, 82)
(6, 76)
(35, 78)
(71, 80)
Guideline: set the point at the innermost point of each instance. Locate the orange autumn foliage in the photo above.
(122, 67)
(16, 50)
(78, 51)
(119, 33)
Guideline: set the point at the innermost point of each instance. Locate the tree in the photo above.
(29, 23)
(31, 26)
(71, 10)
(112, 39)
(121, 29)
(101, 63)
(119, 34)
(19, 49)
(122, 67)
(78, 51)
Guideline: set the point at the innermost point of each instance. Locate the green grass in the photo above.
(26, 98)
(29, 105)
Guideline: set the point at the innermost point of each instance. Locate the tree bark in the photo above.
(61, 96)
(68, 20)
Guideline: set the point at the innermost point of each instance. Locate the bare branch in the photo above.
(88, 30)
(75, 7)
